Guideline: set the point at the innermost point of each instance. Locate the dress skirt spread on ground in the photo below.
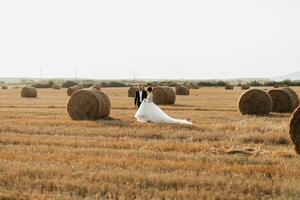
(149, 112)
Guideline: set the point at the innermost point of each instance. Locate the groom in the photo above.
(140, 95)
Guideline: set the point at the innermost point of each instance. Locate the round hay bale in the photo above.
(97, 87)
(245, 87)
(255, 102)
(164, 95)
(284, 100)
(229, 87)
(160, 96)
(171, 95)
(132, 91)
(181, 90)
(4, 87)
(29, 92)
(88, 104)
(56, 87)
(188, 86)
(295, 97)
(74, 88)
(295, 129)
(281, 85)
(194, 87)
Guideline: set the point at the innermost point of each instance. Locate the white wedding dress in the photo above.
(149, 112)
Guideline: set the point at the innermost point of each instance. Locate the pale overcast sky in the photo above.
(198, 39)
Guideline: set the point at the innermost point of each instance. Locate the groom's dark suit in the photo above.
(137, 99)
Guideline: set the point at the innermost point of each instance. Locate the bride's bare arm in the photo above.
(150, 98)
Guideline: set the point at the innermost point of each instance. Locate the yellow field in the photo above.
(45, 155)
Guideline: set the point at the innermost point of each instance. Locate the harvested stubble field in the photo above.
(45, 155)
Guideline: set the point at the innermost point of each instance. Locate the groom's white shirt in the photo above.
(141, 95)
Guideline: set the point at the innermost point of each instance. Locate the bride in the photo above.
(149, 112)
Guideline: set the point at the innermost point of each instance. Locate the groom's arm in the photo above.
(145, 95)
(135, 98)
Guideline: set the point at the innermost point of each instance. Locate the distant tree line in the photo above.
(85, 84)
(273, 83)
(286, 82)
(173, 83)
(49, 84)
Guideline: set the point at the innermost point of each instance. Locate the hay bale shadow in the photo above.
(279, 115)
(109, 121)
(271, 115)
(177, 127)
(183, 105)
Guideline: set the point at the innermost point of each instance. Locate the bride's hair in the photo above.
(149, 89)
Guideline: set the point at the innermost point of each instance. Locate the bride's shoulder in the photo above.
(150, 97)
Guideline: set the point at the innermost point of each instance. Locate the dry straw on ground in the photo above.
(255, 102)
(7, 196)
(56, 87)
(285, 100)
(295, 129)
(229, 87)
(4, 87)
(245, 87)
(45, 155)
(88, 104)
(164, 95)
(132, 91)
(182, 90)
(72, 89)
(29, 92)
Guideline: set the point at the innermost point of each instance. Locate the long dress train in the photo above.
(150, 112)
